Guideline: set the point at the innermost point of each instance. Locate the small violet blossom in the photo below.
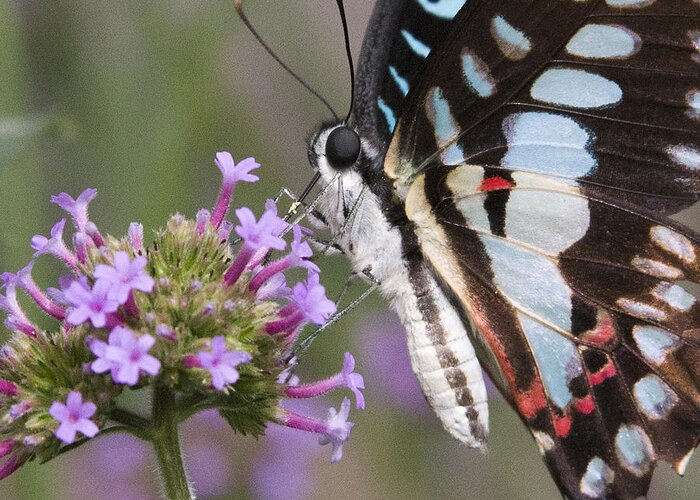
(78, 208)
(346, 378)
(257, 235)
(125, 355)
(232, 174)
(93, 304)
(55, 245)
(221, 363)
(334, 431)
(126, 275)
(298, 257)
(74, 417)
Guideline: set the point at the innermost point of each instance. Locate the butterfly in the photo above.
(506, 175)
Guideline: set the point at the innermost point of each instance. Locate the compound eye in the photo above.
(342, 147)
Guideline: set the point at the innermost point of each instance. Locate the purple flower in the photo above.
(94, 304)
(259, 236)
(203, 217)
(8, 388)
(335, 430)
(346, 378)
(298, 257)
(74, 416)
(55, 245)
(310, 297)
(126, 355)
(78, 208)
(135, 235)
(353, 381)
(232, 174)
(24, 279)
(16, 318)
(221, 363)
(263, 233)
(274, 287)
(125, 276)
(338, 429)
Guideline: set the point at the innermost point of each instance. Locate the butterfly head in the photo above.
(352, 170)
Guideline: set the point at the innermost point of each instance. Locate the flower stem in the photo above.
(166, 441)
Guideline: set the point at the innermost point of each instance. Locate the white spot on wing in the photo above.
(601, 41)
(634, 449)
(544, 441)
(597, 477)
(655, 397)
(673, 242)
(575, 88)
(547, 143)
(687, 156)
(477, 75)
(640, 309)
(656, 268)
(654, 343)
(511, 41)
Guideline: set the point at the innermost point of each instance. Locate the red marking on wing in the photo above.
(494, 184)
(531, 402)
(562, 425)
(603, 374)
(585, 404)
(603, 332)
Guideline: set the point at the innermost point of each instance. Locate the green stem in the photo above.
(166, 441)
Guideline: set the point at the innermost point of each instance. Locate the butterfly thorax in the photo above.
(369, 224)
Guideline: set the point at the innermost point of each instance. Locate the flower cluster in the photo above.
(186, 316)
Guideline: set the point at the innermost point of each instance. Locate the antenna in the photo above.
(346, 34)
(239, 9)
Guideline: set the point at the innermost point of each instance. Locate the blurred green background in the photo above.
(134, 98)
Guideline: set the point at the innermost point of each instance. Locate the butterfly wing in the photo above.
(538, 150)
(400, 36)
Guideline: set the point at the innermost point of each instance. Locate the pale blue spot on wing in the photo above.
(562, 219)
(654, 396)
(556, 357)
(418, 47)
(388, 113)
(438, 111)
(654, 343)
(599, 41)
(510, 38)
(401, 82)
(445, 9)
(598, 475)
(687, 156)
(452, 154)
(694, 104)
(635, 4)
(634, 449)
(547, 143)
(476, 75)
(531, 281)
(675, 296)
(575, 88)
